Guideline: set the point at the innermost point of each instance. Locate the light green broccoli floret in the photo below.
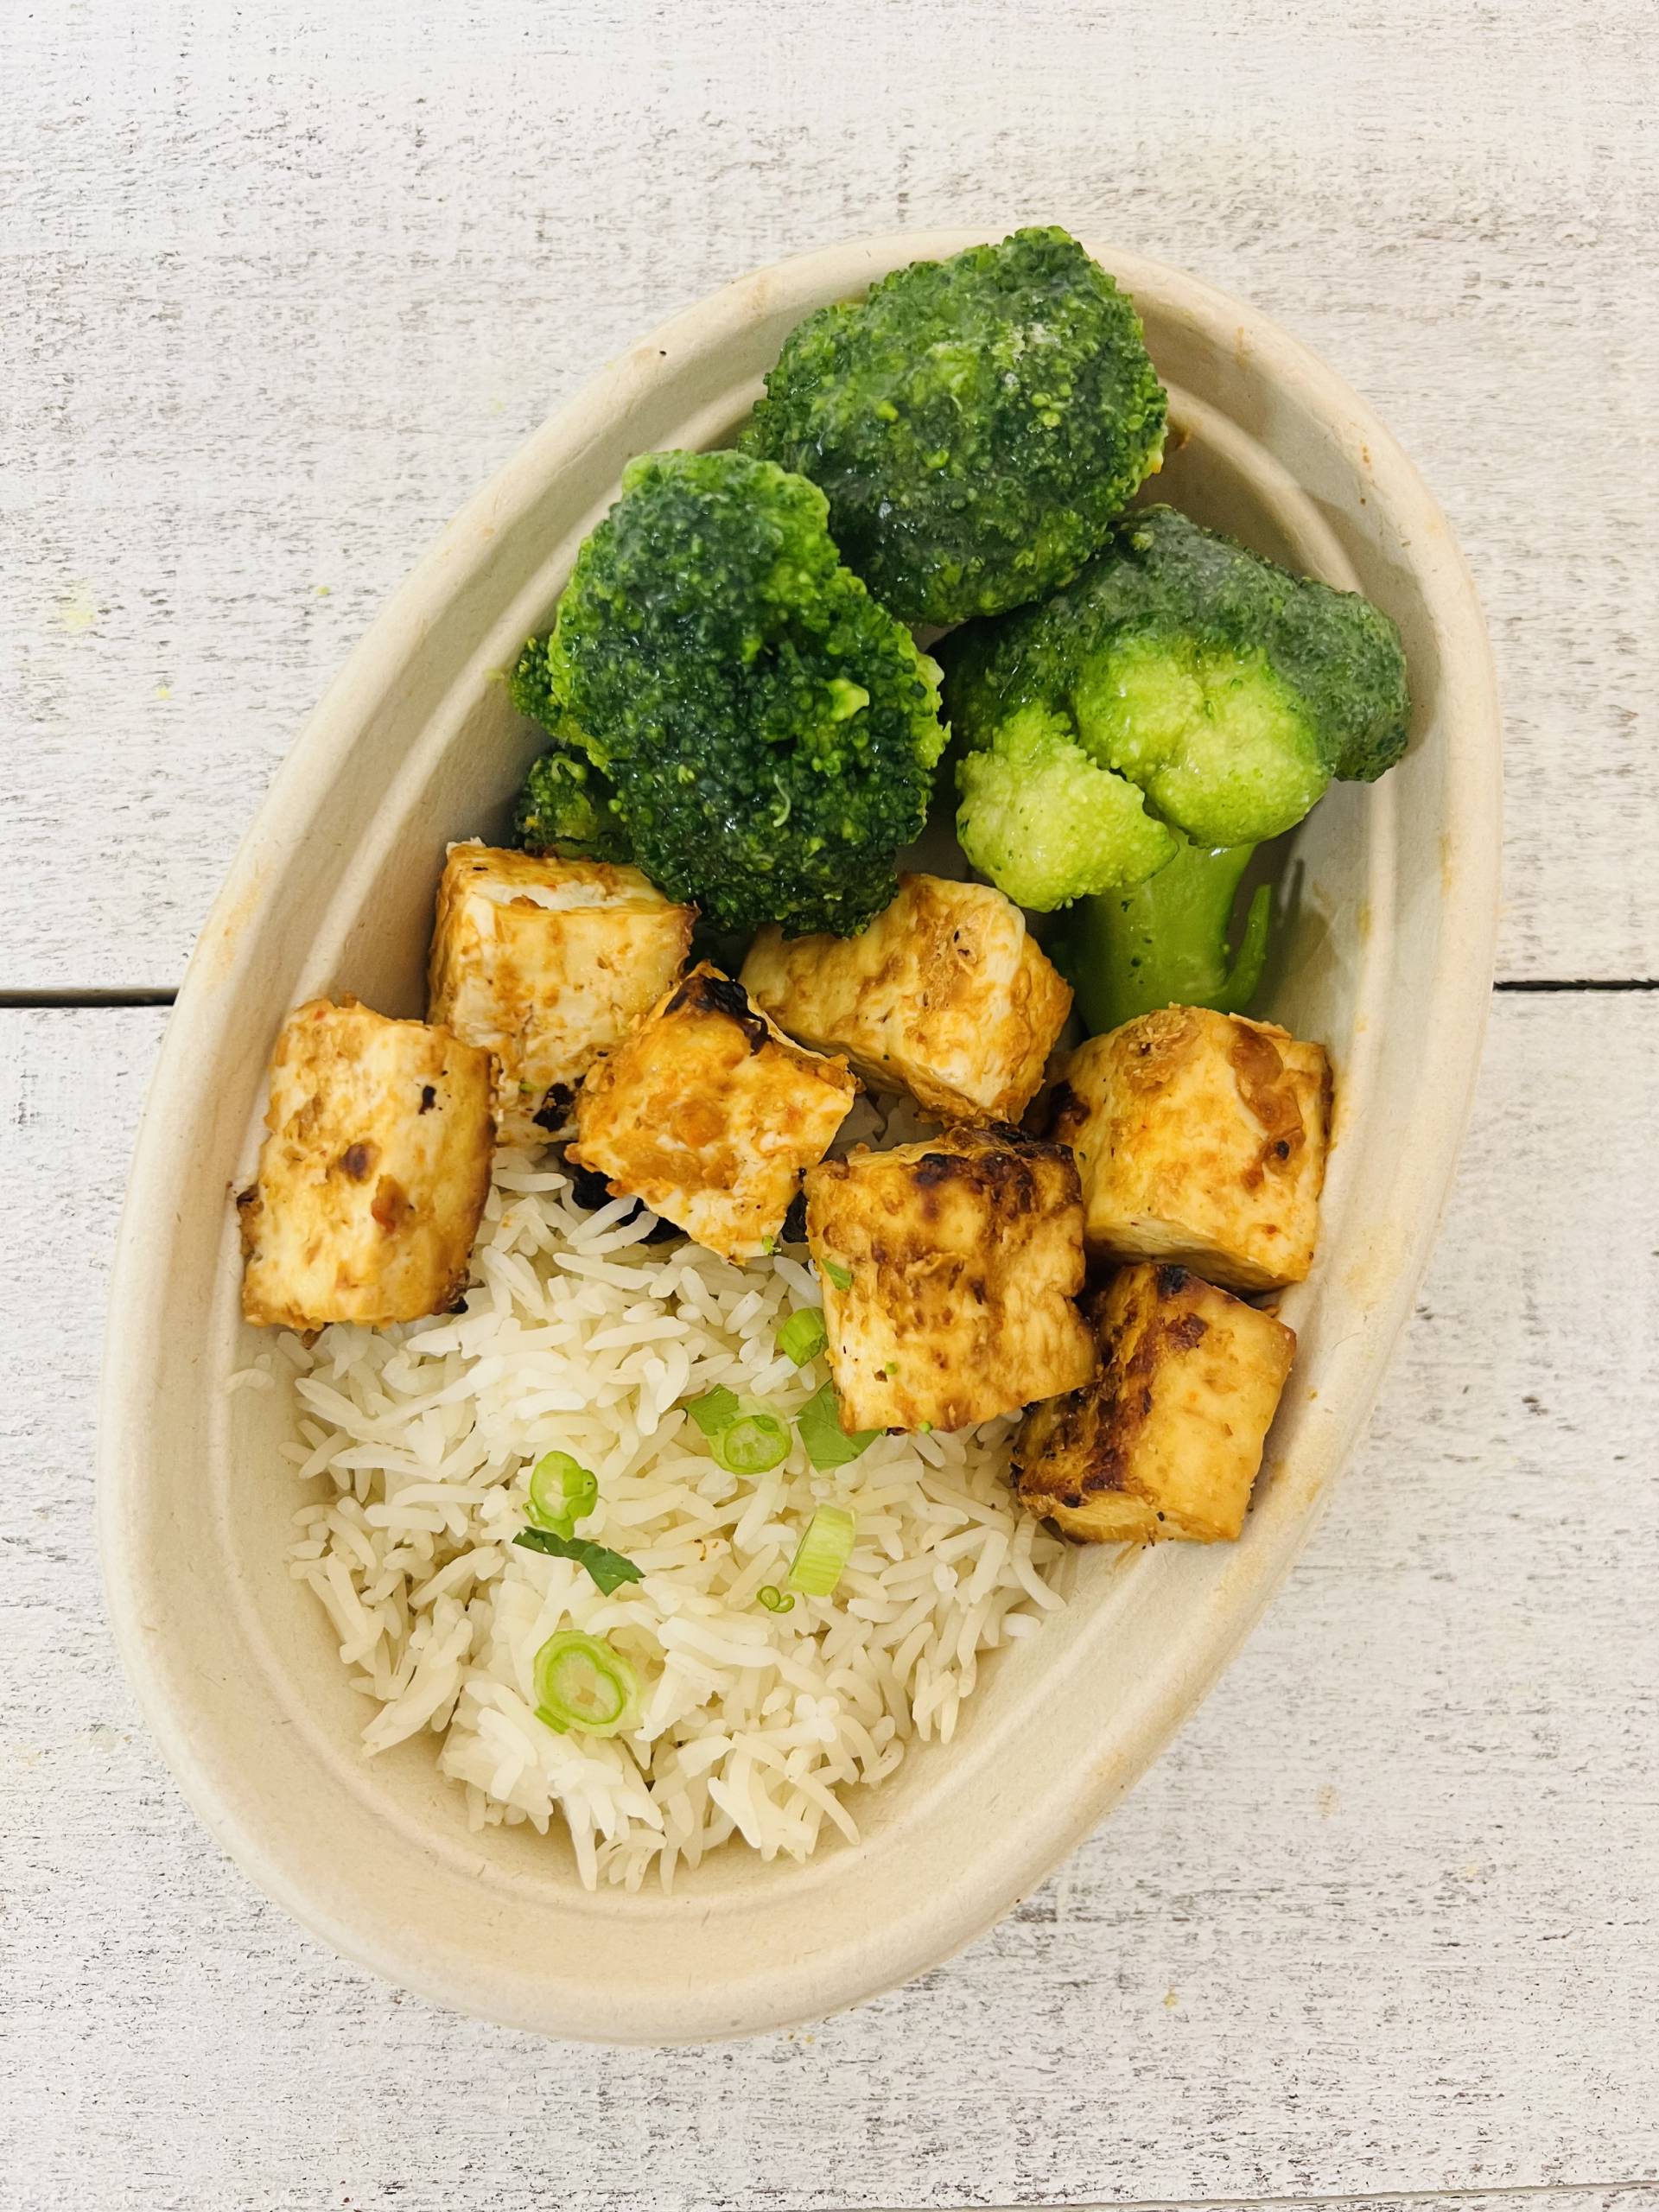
(1228, 689)
(1045, 822)
(1224, 691)
(1218, 741)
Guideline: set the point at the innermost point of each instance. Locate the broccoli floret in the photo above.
(769, 732)
(567, 807)
(1044, 823)
(975, 423)
(1165, 943)
(529, 689)
(1226, 690)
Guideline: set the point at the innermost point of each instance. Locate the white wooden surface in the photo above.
(1382, 1920)
(282, 284)
(278, 286)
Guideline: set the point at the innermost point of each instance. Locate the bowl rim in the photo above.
(1455, 1010)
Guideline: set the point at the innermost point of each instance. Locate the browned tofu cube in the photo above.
(949, 1270)
(946, 994)
(374, 1173)
(547, 964)
(1167, 1440)
(709, 1113)
(1200, 1138)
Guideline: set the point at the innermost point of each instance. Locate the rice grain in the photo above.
(580, 1335)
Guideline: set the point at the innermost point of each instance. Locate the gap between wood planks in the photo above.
(1584, 983)
(47, 1001)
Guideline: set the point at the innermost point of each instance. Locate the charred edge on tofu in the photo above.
(1001, 1163)
(590, 1190)
(1066, 1112)
(701, 993)
(1121, 1394)
(554, 1111)
(1124, 1385)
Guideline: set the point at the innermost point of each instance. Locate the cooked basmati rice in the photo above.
(577, 1334)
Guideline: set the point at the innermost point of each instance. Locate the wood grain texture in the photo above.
(1382, 1920)
(1619, 2197)
(284, 284)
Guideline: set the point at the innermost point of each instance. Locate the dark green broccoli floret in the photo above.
(530, 691)
(1225, 691)
(769, 732)
(975, 423)
(568, 808)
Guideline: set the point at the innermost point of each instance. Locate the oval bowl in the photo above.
(1389, 959)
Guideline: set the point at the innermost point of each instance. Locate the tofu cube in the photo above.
(949, 1270)
(709, 1114)
(547, 964)
(946, 994)
(373, 1175)
(1167, 1440)
(1200, 1138)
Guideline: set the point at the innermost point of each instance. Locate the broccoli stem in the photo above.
(1165, 941)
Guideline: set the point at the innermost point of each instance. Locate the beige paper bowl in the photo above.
(1389, 961)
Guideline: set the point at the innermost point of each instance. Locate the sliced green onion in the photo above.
(581, 1683)
(560, 1490)
(802, 1336)
(715, 1410)
(775, 1600)
(751, 1444)
(822, 1552)
(608, 1569)
(828, 1444)
(841, 1277)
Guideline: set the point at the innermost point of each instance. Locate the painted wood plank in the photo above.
(1619, 2197)
(1383, 1922)
(284, 286)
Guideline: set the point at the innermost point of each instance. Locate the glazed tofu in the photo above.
(1167, 1440)
(547, 964)
(373, 1175)
(949, 1270)
(709, 1114)
(946, 996)
(1200, 1138)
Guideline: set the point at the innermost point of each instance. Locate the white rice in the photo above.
(579, 1335)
